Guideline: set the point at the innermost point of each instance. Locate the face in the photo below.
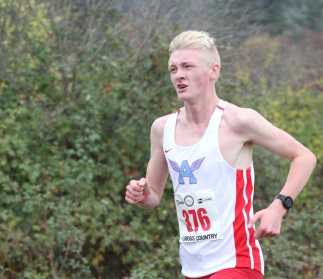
(191, 74)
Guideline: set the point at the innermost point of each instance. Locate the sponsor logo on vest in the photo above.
(178, 202)
(194, 238)
(189, 201)
(185, 170)
(200, 200)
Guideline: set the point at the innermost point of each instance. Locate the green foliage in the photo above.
(297, 252)
(290, 16)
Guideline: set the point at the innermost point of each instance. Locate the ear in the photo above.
(215, 71)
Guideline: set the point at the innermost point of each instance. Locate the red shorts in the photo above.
(233, 273)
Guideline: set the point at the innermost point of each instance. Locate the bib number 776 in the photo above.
(196, 218)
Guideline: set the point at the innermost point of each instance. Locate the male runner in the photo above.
(206, 147)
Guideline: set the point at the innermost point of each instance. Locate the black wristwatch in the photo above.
(286, 201)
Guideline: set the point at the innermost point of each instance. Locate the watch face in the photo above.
(288, 202)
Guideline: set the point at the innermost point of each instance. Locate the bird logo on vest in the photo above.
(186, 170)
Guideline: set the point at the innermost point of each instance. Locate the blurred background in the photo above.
(81, 81)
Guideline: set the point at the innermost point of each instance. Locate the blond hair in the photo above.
(196, 40)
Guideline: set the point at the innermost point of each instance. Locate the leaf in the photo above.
(196, 164)
(174, 165)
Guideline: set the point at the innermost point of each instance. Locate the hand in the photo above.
(270, 220)
(137, 191)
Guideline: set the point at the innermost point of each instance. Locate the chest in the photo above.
(229, 143)
(187, 135)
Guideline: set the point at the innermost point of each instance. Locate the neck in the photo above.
(200, 111)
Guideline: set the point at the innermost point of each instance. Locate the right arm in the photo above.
(147, 192)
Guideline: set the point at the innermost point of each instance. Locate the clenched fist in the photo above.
(136, 191)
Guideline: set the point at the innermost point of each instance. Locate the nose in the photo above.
(179, 75)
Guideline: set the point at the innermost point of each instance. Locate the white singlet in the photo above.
(213, 202)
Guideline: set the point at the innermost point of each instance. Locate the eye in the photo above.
(172, 70)
(187, 66)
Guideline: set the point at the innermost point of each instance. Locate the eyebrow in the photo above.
(182, 63)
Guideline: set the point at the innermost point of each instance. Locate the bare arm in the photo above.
(148, 191)
(261, 132)
(256, 129)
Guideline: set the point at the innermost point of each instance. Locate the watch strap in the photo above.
(287, 201)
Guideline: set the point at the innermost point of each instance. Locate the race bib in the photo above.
(198, 217)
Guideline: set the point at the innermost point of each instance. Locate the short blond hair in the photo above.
(195, 40)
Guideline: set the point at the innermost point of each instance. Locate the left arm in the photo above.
(259, 131)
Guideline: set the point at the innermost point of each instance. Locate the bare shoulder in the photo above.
(157, 128)
(240, 118)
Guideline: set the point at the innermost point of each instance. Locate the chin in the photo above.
(184, 97)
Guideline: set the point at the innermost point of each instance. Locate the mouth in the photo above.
(181, 87)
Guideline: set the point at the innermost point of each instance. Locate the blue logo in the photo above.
(185, 170)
